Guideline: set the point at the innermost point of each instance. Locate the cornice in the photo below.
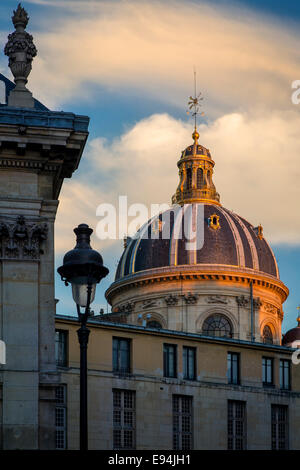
(125, 327)
(200, 273)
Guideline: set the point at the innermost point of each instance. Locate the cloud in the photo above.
(257, 172)
(149, 48)
(140, 164)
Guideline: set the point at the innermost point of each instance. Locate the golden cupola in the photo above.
(195, 175)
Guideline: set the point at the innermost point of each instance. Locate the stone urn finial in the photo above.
(20, 17)
(20, 50)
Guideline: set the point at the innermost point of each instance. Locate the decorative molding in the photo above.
(190, 299)
(22, 238)
(257, 303)
(32, 164)
(217, 299)
(126, 308)
(204, 273)
(149, 303)
(242, 301)
(214, 221)
(270, 308)
(171, 300)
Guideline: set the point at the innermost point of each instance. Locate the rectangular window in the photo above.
(189, 363)
(121, 355)
(170, 360)
(236, 425)
(267, 371)
(61, 417)
(61, 347)
(182, 422)
(233, 368)
(123, 419)
(285, 374)
(279, 427)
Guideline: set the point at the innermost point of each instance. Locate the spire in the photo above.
(20, 50)
(195, 165)
(194, 105)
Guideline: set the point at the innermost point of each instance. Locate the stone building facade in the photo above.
(191, 355)
(212, 396)
(38, 149)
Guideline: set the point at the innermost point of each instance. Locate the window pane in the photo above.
(60, 417)
(217, 325)
(189, 358)
(170, 362)
(182, 422)
(123, 419)
(233, 368)
(279, 427)
(61, 347)
(267, 368)
(236, 425)
(121, 355)
(185, 363)
(286, 377)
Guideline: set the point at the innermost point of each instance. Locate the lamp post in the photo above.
(83, 269)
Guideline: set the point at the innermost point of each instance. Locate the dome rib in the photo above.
(236, 236)
(253, 250)
(174, 237)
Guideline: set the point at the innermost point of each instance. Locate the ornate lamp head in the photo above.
(82, 267)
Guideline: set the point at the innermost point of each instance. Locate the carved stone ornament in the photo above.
(22, 238)
(270, 308)
(171, 300)
(216, 299)
(242, 301)
(20, 50)
(190, 299)
(257, 303)
(127, 308)
(149, 303)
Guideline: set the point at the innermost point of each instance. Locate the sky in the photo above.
(129, 65)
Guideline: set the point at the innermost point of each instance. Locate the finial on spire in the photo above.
(194, 105)
(196, 165)
(20, 50)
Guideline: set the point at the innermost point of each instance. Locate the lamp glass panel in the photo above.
(80, 294)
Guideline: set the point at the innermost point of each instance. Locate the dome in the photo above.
(229, 240)
(222, 282)
(292, 335)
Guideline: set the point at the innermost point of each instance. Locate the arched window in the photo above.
(267, 335)
(154, 324)
(199, 178)
(208, 177)
(189, 178)
(217, 325)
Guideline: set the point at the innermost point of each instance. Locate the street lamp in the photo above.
(83, 269)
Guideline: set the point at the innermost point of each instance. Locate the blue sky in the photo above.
(129, 66)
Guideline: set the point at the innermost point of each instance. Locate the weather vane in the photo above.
(194, 103)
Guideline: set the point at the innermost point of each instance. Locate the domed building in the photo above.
(190, 358)
(191, 355)
(224, 282)
(292, 336)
